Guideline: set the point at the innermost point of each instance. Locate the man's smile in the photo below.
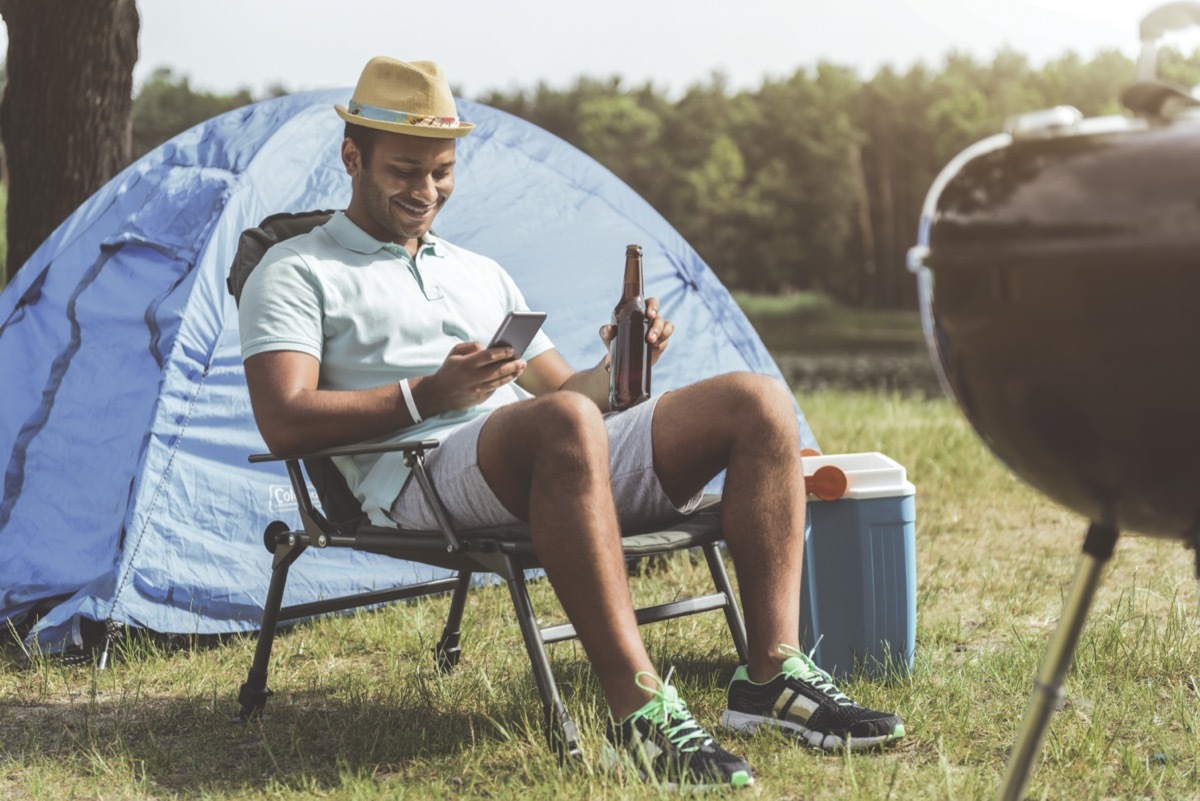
(415, 211)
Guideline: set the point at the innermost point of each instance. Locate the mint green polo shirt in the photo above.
(372, 315)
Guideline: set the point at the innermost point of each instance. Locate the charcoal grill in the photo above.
(1058, 267)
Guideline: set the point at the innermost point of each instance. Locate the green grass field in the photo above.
(812, 322)
(360, 712)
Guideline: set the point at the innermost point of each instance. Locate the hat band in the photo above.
(378, 114)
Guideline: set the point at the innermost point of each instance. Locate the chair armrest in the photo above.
(414, 451)
(352, 450)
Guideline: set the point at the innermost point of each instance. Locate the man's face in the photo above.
(402, 186)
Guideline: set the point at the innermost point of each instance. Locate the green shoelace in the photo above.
(799, 665)
(670, 714)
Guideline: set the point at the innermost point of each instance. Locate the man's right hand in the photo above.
(468, 377)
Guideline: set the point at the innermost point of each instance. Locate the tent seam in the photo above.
(121, 583)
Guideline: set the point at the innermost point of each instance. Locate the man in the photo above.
(369, 328)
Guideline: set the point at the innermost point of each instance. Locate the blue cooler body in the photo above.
(858, 608)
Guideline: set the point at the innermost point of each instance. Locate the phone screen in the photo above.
(517, 331)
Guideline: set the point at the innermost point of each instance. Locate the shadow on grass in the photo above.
(306, 740)
(311, 739)
(148, 733)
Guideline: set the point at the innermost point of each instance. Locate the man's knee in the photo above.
(758, 398)
(569, 422)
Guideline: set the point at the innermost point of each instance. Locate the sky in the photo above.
(223, 45)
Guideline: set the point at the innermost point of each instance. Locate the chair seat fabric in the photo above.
(699, 528)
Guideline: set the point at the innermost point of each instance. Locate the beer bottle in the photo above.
(629, 354)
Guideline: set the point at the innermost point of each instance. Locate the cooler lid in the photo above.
(868, 475)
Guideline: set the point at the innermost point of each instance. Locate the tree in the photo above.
(1093, 87)
(167, 105)
(713, 207)
(1176, 67)
(65, 116)
(621, 135)
(794, 135)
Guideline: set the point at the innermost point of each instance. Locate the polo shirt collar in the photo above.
(355, 239)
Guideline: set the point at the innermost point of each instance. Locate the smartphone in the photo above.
(517, 330)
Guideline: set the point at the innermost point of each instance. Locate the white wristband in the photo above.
(406, 391)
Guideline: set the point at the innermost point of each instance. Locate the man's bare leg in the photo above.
(746, 423)
(547, 462)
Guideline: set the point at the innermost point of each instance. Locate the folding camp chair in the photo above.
(504, 551)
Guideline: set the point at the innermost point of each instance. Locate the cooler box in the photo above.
(858, 597)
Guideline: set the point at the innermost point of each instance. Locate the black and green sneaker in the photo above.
(665, 744)
(803, 703)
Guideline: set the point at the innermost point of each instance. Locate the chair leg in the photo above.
(560, 729)
(733, 614)
(254, 693)
(447, 652)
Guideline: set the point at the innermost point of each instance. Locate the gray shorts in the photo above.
(454, 468)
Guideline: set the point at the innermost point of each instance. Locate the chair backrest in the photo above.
(255, 242)
(338, 502)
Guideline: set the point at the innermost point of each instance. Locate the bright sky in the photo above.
(504, 44)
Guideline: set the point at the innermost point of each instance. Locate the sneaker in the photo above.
(666, 744)
(803, 703)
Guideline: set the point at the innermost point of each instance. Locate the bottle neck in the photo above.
(633, 277)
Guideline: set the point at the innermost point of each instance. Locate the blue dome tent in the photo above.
(125, 422)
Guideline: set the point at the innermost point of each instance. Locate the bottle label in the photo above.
(629, 358)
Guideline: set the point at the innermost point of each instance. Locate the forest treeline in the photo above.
(812, 181)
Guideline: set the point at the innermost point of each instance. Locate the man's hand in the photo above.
(468, 377)
(550, 373)
(657, 334)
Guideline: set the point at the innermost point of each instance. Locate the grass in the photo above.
(360, 711)
(813, 323)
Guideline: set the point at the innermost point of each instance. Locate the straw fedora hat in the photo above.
(405, 97)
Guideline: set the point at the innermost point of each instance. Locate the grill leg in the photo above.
(1097, 550)
(1195, 546)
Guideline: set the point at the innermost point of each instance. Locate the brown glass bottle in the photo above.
(629, 354)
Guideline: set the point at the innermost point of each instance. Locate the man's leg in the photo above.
(547, 462)
(744, 423)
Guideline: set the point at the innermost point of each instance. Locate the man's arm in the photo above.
(549, 372)
(295, 417)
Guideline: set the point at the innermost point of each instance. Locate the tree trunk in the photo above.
(866, 234)
(886, 239)
(66, 114)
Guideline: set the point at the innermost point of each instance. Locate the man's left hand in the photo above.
(657, 335)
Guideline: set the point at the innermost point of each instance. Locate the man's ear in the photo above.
(351, 157)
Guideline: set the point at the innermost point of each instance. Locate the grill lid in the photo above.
(1059, 277)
